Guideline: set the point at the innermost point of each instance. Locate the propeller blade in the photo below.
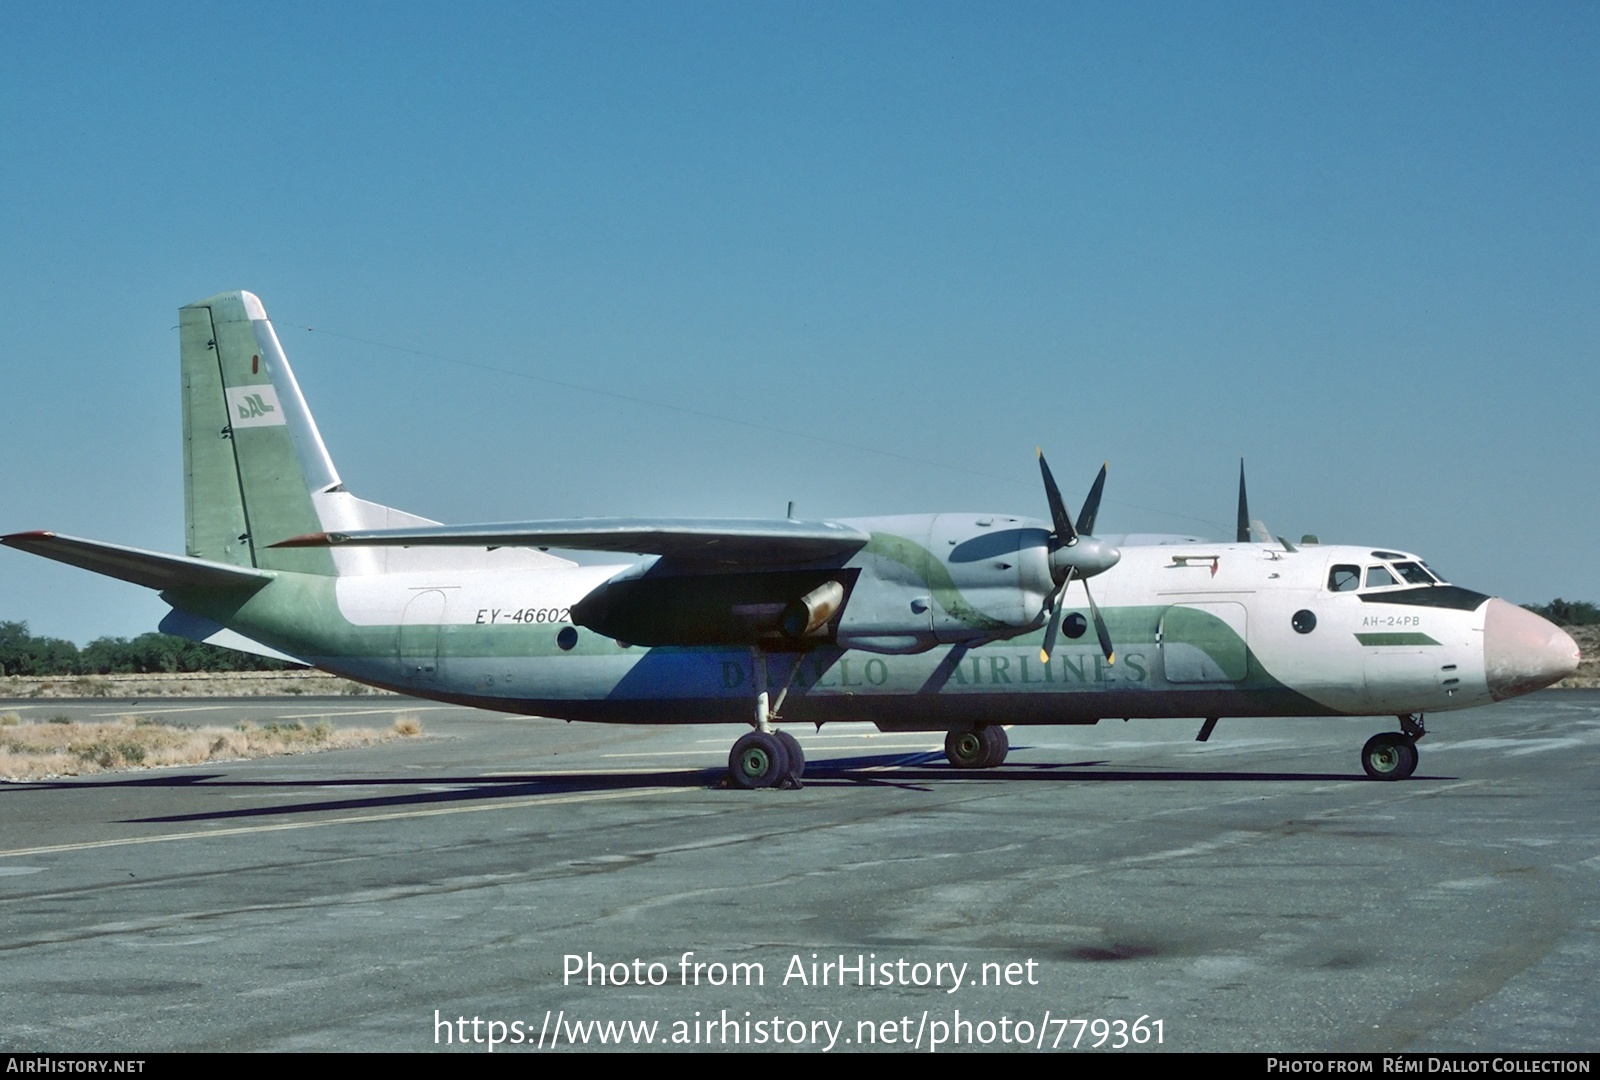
(1100, 627)
(1244, 509)
(1053, 628)
(1066, 535)
(1091, 505)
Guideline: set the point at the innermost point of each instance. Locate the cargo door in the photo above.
(420, 627)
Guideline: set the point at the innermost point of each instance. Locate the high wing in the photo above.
(152, 569)
(733, 542)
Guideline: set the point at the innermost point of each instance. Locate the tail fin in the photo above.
(255, 470)
(252, 457)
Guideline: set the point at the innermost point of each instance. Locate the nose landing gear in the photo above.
(1393, 755)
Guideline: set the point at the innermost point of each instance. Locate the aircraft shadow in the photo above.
(931, 767)
(914, 771)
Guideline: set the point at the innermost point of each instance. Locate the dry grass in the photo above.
(35, 751)
(183, 684)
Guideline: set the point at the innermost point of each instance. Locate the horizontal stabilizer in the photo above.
(151, 569)
(691, 540)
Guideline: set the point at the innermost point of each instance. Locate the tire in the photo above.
(1389, 756)
(758, 760)
(797, 756)
(965, 749)
(995, 745)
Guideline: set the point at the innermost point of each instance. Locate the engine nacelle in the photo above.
(663, 605)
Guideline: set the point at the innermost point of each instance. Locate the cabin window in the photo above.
(1378, 577)
(1344, 578)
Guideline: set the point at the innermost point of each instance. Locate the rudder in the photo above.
(250, 444)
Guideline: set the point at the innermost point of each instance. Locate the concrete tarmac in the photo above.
(1252, 893)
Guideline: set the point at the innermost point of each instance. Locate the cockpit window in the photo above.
(1414, 573)
(1344, 578)
(1378, 577)
(1436, 575)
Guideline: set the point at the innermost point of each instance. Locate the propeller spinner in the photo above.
(1074, 553)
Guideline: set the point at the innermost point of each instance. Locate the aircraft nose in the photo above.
(1523, 652)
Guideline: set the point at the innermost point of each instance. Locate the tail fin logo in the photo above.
(254, 406)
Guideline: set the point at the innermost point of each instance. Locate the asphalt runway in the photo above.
(1252, 893)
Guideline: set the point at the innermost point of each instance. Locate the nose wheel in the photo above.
(1389, 756)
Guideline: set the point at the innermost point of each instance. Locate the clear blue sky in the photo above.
(1357, 243)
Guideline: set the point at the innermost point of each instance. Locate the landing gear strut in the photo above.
(977, 748)
(1393, 755)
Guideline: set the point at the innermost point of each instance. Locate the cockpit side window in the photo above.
(1378, 577)
(1414, 573)
(1344, 578)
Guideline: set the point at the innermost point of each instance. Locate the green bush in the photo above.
(1567, 612)
(148, 654)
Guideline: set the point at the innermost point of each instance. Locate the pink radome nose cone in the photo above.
(1523, 652)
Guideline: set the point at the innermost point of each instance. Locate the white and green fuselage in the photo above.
(936, 621)
(1190, 643)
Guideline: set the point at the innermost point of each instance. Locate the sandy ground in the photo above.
(31, 749)
(1588, 673)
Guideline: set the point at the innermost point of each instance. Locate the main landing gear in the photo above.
(977, 748)
(766, 757)
(1393, 755)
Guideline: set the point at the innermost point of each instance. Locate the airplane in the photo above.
(955, 622)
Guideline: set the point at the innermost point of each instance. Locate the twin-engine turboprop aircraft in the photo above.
(940, 622)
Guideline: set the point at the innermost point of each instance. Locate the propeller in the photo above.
(1250, 531)
(1075, 553)
(1243, 535)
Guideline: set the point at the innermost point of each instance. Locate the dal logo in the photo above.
(254, 406)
